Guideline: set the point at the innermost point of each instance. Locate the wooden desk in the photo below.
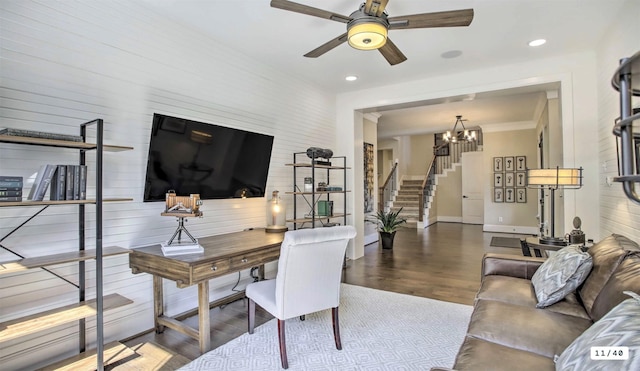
(223, 254)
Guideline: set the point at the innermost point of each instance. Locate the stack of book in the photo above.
(11, 188)
(65, 182)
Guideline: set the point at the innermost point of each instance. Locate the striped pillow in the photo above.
(618, 328)
(560, 275)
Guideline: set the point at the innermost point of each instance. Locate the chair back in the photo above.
(310, 270)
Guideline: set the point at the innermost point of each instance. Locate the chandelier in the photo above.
(454, 136)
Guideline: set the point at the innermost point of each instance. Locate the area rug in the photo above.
(505, 242)
(380, 330)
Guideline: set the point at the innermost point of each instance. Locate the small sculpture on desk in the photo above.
(182, 207)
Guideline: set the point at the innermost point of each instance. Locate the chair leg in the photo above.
(303, 317)
(251, 312)
(283, 345)
(336, 328)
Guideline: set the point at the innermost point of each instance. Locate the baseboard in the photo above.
(510, 229)
(370, 238)
(450, 219)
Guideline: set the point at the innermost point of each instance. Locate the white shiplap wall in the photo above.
(64, 63)
(617, 213)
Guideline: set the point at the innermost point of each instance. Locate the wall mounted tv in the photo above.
(214, 161)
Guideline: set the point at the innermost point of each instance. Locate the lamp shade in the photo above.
(367, 35)
(558, 178)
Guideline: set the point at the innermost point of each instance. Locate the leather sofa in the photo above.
(508, 332)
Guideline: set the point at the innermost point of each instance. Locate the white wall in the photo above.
(70, 62)
(618, 214)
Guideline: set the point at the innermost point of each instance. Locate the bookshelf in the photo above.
(85, 307)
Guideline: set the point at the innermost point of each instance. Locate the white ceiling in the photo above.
(498, 35)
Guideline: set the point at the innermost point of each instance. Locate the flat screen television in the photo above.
(216, 162)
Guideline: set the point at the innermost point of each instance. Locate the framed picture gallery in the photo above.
(510, 179)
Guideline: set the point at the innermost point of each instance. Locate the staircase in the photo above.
(408, 198)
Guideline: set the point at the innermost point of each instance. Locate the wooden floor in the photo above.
(440, 262)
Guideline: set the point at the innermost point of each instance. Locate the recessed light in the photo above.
(351, 78)
(537, 42)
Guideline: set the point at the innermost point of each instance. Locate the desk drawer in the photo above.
(255, 258)
(206, 271)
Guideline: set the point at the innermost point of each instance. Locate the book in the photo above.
(11, 193)
(10, 198)
(58, 189)
(41, 183)
(69, 183)
(76, 182)
(83, 182)
(9, 178)
(11, 185)
(10, 188)
(39, 134)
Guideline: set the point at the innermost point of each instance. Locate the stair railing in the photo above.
(388, 188)
(427, 181)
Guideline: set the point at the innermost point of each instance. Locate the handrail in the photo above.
(391, 177)
(430, 171)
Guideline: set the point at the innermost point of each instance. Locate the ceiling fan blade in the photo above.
(315, 53)
(391, 53)
(309, 10)
(452, 18)
(375, 8)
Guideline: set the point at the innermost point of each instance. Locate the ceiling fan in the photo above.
(367, 27)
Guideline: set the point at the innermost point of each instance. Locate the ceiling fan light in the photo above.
(367, 36)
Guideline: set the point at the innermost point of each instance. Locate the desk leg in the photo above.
(158, 303)
(204, 326)
(261, 272)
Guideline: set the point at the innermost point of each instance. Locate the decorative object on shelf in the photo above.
(276, 214)
(325, 208)
(322, 187)
(388, 223)
(576, 236)
(316, 153)
(308, 184)
(628, 148)
(454, 136)
(40, 134)
(553, 179)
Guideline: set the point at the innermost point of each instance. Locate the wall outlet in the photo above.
(500, 219)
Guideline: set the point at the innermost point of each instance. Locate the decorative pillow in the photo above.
(560, 275)
(618, 328)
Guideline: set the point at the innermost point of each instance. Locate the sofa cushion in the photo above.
(619, 327)
(520, 292)
(625, 278)
(560, 275)
(606, 255)
(476, 354)
(539, 331)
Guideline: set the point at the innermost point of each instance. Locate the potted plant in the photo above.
(388, 223)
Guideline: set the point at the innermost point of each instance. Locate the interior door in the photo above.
(472, 188)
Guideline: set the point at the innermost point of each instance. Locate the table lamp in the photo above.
(276, 208)
(554, 179)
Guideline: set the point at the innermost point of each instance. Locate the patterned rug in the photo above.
(380, 330)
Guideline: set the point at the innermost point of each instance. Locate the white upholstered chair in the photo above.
(308, 279)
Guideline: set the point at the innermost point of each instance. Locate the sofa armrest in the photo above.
(510, 265)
